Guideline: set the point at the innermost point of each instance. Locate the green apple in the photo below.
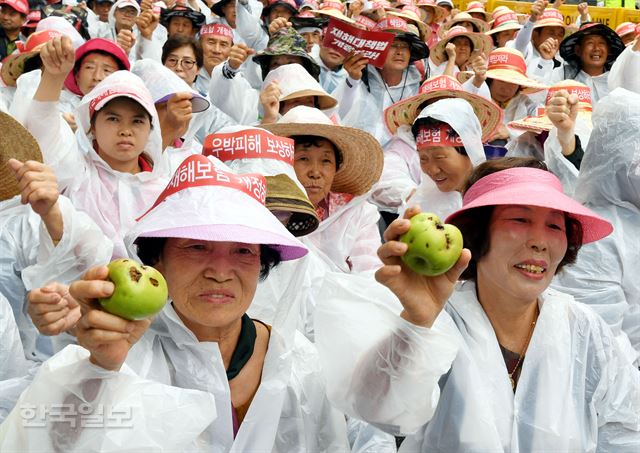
(140, 291)
(433, 247)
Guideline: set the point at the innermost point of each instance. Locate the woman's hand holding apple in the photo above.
(421, 296)
(107, 337)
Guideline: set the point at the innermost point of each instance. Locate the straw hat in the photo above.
(333, 9)
(403, 31)
(550, 17)
(362, 156)
(541, 122)
(508, 65)
(405, 112)
(376, 10)
(568, 44)
(480, 25)
(411, 14)
(365, 23)
(478, 7)
(480, 41)
(504, 20)
(626, 28)
(14, 65)
(295, 82)
(439, 12)
(15, 142)
(284, 196)
(534, 187)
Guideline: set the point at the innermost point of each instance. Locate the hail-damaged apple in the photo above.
(433, 247)
(140, 291)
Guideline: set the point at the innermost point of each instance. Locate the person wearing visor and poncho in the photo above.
(213, 378)
(498, 361)
(588, 56)
(367, 91)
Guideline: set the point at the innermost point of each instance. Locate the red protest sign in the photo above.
(249, 144)
(196, 171)
(345, 38)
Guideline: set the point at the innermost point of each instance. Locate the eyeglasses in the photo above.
(128, 11)
(186, 63)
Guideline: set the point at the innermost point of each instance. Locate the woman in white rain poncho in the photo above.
(113, 168)
(213, 379)
(500, 363)
(605, 275)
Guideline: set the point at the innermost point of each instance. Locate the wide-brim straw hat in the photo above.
(362, 157)
(524, 186)
(15, 143)
(333, 9)
(568, 44)
(14, 65)
(439, 12)
(481, 43)
(411, 14)
(481, 25)
(283, 195)
(504, 21)
(405, 112)
(406, 32)
(478, 7)
(508, 65)
(626, 28)
(295, 82)
(550, 17)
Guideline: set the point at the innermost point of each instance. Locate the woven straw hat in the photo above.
(480, 41)
(507, 65)
(504, 20)
(478, 7)
(411, 14)
(335, 9)
(481, 25)
(439, 12)
(362, 157)
(405, 112)
(15, 143)
(550, 17)
(14, 65)
(284, 196)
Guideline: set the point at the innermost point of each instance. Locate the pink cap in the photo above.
(531, 187)
(22, 6)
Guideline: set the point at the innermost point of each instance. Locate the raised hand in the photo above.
(354, 64)
(58, 57)
(549, 48)
(277, 24)
(537, 8)
(479, 67)
(270, 101)
(238, 55)
(126, 39)
(562, 110)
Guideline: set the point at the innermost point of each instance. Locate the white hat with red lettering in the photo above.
(204, 202)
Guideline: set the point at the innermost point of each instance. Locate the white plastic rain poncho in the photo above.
(187, 379)
(112, 199)
(447, 386)
(538, 68)
(362, 104)
(234, 96)
(29, 259)
(329, 79)
(625, 70)
(457, 113)
(605, 274)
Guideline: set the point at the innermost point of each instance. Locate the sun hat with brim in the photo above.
(481, 43)
(405, 112)
(504, 21)
(295, 82)
(508, 65)
(204, 202)
(14, 65)
(289, 4)
(217, 7)
(365, 23)
(101, 45)
(362, 157)
(568, 44)
(287, 41)
(411, 14)
(333, 9)
(283, 195)
(375, 10)
(541, 122)
(196, 17)
(478, 7)
(550, 17)
(530, 187)
(15, 143)
(403, 31)
(626, 28)
(163, 84)
(480, 25)
(439, 12)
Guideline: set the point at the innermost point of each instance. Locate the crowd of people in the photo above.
(269, 175)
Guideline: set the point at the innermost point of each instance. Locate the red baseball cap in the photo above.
(22, 6)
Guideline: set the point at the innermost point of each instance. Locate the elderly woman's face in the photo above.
(526, 245)
(315, 166)
(445, 166)
(211, 284)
